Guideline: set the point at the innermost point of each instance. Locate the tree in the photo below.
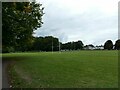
(108, 45)
(38, 44)
(78, 45)
(47, 43)
(117, 44)
(73, 45)
(19, 20)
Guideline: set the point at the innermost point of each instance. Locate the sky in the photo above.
(91, 21)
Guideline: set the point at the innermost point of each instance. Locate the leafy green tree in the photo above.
(38, 44)
(72, 45)
(78, 45)
(117, 44)
(108, 45)
(51, 43)
(47, 43)
(19, 20)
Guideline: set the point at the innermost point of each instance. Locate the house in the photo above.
(89, 47)
(99, 47)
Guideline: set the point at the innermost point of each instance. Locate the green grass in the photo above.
(78, 69)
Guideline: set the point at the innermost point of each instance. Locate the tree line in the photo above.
(50, 43)
(73, 45)
(47, 43)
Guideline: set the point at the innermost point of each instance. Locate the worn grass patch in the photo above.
(78, 69)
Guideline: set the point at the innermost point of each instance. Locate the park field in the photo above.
(74, 69)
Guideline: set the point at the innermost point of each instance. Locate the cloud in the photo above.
(92, 21)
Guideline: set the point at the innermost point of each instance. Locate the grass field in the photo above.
(77, 69)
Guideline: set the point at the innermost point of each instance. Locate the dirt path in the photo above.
(5, 64)
(0, 73)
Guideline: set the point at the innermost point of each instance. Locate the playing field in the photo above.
(75, 69)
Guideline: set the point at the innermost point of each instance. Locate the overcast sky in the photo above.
(91, 21)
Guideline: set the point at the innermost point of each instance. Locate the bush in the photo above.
(8, 49)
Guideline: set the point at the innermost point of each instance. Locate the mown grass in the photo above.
(78, 69)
